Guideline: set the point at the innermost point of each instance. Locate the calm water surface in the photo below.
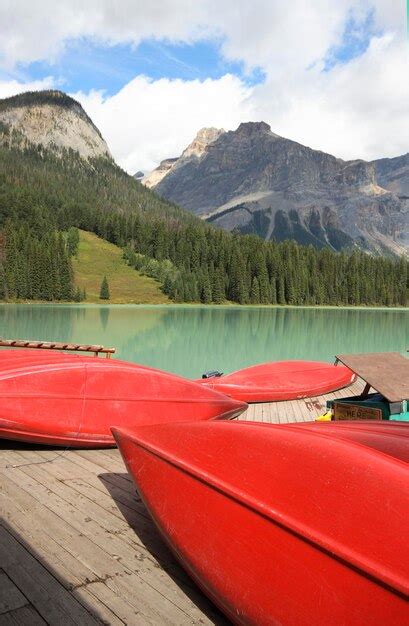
(189, 340)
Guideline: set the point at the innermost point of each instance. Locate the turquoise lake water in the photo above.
(189, 340)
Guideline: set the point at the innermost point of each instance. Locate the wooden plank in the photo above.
(102, 503)
(119, 485)
(313, 407)
(69, 568)
(111, 607)
(43, 591)
(108, 460)
(279, 413)
(11, 597)
(25, 616)
(257, 413)
(55, 345)
(386, 372)
(297, 408)
(250, 412)
(283, 412)
(49, 534)
(159, 597)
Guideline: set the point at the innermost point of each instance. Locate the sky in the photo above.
(329, 74)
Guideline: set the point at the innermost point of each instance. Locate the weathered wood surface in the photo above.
(56, 345)
(78, 547)
(305, 410)
(386, 372)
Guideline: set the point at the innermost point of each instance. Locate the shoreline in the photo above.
(199, 305)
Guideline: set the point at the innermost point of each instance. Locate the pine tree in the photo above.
(104, 291)
(281, 290)
(3, 284)
(218, 287)
(167, 285)
(206, 291)
(65, 270)
(273, 290)
(73, 239)
(255, 291)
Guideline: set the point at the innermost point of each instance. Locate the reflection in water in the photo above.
(104, 316)
(191, 339)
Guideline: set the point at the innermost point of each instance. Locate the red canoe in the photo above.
(62, 399)
(281, 380)
(282, 524)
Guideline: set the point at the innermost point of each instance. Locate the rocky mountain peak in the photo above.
(153, 178)
(204, 137)
(139, 175)
(254, 128)
(253, 181)
(51, 119)
(195, 150)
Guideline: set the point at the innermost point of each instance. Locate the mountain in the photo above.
(57, 177)
(194, 151)
(52, 120)
(392, 174)
(138, 175)
(253, 181)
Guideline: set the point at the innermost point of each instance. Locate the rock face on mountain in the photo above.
(254, 181)
(138, 175)
(392, 174)
(50, 119)
(154, 178)
(193, 152)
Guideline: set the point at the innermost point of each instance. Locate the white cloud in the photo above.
(259, 33)
(41, 29)
(12, 87)
(358, 109)
(151, 120)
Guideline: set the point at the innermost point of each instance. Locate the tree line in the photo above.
(44, 196)
(36, 268)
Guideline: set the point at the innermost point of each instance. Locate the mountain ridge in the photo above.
(50, 119)
(252, 180)
(48, 190)
(203, 138)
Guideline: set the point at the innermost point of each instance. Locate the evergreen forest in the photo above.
(45, 197)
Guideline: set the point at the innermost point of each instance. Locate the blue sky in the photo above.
(86, 64)
(355, 40)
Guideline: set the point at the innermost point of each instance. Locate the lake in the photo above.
(189, 340)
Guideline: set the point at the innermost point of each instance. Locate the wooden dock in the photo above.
(78, 547)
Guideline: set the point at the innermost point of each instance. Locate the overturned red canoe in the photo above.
(279, 524)
(387, 436)
(281, 380)
(62, 399)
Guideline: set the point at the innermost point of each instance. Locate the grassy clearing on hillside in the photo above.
(98, 258)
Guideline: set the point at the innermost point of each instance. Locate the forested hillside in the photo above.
(96, 258)
(43, 194)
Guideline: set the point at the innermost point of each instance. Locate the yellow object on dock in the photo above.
(327, 417)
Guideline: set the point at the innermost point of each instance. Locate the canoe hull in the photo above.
(71, 400)
(259, 517)
(281, 380)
